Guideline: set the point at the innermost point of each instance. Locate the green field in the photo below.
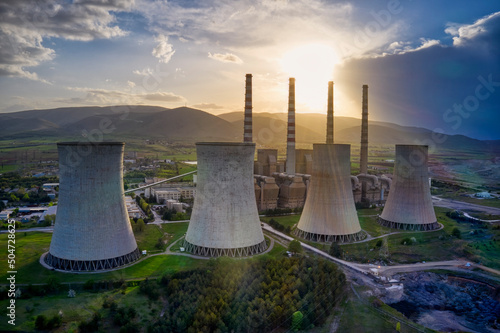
(431, 246)
(286, 220)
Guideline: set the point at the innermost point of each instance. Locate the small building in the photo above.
(4, 215)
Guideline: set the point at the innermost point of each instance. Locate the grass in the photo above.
(147, 239)
(432, 246)
(8, 167)
(360, 317)
(286, 220)
(81, 308)
(174, 231)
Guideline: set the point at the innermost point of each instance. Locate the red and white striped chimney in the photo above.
(363, 154)
(290, 138)
(247, 135)
(329, 115)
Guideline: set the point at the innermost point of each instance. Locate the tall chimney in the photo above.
(290, 139)
(329, 116)
(247, 135)
(363, 154)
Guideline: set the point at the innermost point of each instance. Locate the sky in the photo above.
(432, 64)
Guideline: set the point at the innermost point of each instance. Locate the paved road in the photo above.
(460, 205)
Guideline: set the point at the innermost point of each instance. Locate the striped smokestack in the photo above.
(247, 135)
(329, 116)
(363, 155)
(290, 139)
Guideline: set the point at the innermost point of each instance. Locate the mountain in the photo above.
(191, 125)
(119, 121)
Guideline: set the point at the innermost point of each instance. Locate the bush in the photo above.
(456, 232)
(40, 322)
(379, 243)
(90, 326)
(336, 251)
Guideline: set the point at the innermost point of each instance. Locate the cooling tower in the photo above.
(290, 138)
(409, 204)
(225, 220)
(247, 135)
(329, 214)
(92, 230)
(329, 116)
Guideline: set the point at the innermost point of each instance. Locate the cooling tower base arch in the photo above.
(91, 265)
(319, 238)
(408, 226)
(231, 252)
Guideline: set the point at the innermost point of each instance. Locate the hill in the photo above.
(191, 125)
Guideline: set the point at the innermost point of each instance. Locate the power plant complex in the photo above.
(93, 231)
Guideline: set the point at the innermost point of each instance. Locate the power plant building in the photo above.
(92, 230)
(225, 219)
(409, 204)
(329, 213)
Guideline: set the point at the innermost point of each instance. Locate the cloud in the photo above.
(464, 34)
(25, 24)
(164, 97)
(115, 97)
(145, 72)
(163, 51)
(435, 85)
(251, 27)
(208, 106)
(227, 57)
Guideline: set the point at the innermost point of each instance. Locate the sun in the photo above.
(312, 67)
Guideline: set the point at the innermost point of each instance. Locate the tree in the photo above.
(297, 318)
(398, 327)
(295, 246)
(140, 225)
(456, 232)
(336, 250)
(26, 197)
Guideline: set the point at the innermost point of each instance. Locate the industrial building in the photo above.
(409, 204)
(92, 231)
(225, 220)
(329, 213)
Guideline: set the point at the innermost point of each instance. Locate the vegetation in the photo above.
(295, 246)
(257, 295)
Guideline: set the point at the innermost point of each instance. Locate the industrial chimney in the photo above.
(409, 204)
(247, 135)
(329, 214)
(290, 139)
(93, 230)
(363, 153)
(329, 117)
(225, 220)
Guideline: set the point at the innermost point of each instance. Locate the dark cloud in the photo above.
(453, 88)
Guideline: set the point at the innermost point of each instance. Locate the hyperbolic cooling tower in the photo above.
(92, 230)
(329, 214)
(225, 219)
(290, 138)
(409, 204)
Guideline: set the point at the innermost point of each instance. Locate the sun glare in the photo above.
(312, 67)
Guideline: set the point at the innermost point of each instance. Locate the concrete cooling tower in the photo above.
(409, 204)
(92, 230)
(329, 214)
(225, 220)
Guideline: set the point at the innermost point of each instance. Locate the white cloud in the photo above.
(227, 57)
(464, 33)
(115, 97)
(208, 106)
(145, 72)
(25, 24)
(131, 84)
(163, 51)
